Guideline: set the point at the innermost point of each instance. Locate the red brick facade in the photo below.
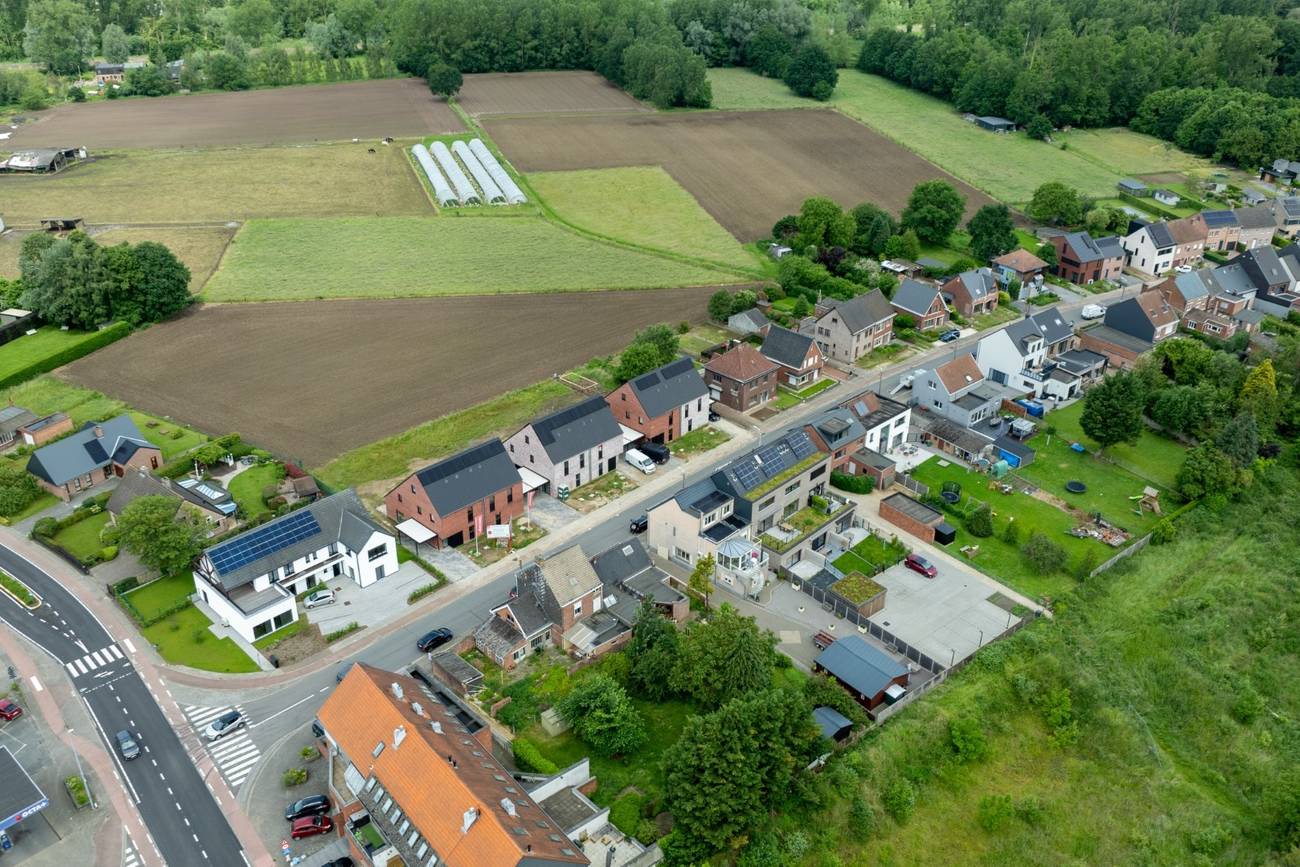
(409, 500)
(899, 518)
(628, 411)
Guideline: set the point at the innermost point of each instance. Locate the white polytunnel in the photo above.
(491, 192)
(441, 191)
(464, 189)
(513, 194)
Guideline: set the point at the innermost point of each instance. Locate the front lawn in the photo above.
(1154, 457)
(246, 488)
(996, 556)
(600, 491)
(999, 315)
(81, 539)
(698, 441)
(184, 638)
(884, 354)
(702, 337)
(266, 642)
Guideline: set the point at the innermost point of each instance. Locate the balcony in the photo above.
(803, 523)
(370, 839)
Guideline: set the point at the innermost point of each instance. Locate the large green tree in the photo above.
(1258, 394)
(60, 35)
(933, 211)
(1239, 439)
(1112, 410)
(873, 227)
(991, 232)
(1056, 203)
(653, 652)
(724, 657)
(165, 537)
(822, 223)
(444, 80)
(1206, 472)
(811, 72)
(114, 44)
(70, 284)
(599, 712)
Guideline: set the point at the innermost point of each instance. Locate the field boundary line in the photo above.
(552, 216)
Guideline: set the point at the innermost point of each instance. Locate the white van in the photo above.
(639, 460)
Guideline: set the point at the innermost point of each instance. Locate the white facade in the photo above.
(889, 435)
(1141, 253)
(694, 414)
(574, 471)
(1004, 363)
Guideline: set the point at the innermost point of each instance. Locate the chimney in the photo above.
(509, 806)
(99, 432)
(468, 819)
(399, 735)
(397, 690)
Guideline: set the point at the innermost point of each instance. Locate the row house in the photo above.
(957, 391)
(252, 580)
(569, 448)
(1221, 227)
(1159, 247)
(797, 356)
(450, 502)
(848, 330)
(663, 404)
(1255, 226)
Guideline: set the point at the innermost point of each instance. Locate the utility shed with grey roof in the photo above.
(11, 419)
(863, 668)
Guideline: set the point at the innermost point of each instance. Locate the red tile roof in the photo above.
(741, 364)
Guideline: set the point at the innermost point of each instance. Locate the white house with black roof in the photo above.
(571, 447)
(251, 581)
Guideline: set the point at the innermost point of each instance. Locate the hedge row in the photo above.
(529, 758)
(102, 338)
(863, 484)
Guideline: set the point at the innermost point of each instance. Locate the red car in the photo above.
(9, 710)
(917, 563)
(310, 826)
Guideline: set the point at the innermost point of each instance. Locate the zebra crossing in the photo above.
(95, 659)
(235, 755)
(130, 857)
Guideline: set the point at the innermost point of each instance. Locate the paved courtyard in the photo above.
(550, 514)
(373, 606)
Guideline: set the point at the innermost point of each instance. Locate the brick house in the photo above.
(570, 447)
(1184, 292)
(972, 293)
(1147, 317)
(205, 501)
(922, 302)
(1019, 264)
(848, 330)
(797, 356)
(1222, 231)
(456, 498)
(663, 404)
(741, 378)
(1256, 226)
(99, 451)
(1083, 260)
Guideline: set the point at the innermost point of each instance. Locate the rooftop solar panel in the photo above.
(748, 475)
(259, 543)
(801, 445)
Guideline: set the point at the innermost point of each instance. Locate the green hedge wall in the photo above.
(102, 338)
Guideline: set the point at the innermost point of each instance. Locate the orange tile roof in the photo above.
(1188, 231)
(959, 373)
(742, 363)
(364, 711)
(1020, 260)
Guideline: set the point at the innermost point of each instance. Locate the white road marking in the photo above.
(129, 646)
(36, 684)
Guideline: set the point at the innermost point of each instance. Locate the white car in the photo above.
(1092, 311)
(319, 598)
(223, 725)
(907, 380)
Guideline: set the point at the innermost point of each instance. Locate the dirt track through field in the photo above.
(524, 93)
(747, 169)
(311, 380)
(370, 110)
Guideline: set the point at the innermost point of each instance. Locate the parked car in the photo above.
(435, 638)
(908, 379)
(9, 710)
(312, 805)
(639, 524)
(713, 416)
(657, 452)
(636, 459)
(224, 725)
(343, 671)
(917, 563)
(310, 826)
(316, 729)
(1092, 311)
(126, 745)
(319, 598)
(345, 861)
(950, 335)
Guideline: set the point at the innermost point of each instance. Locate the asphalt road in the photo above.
(182, 816)
(274, 713)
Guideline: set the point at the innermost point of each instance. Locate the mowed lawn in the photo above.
(640, 205)
(199, 248)
(30, 348)
(1154, 458)
(190, 186)
(1007, 167)
(405, 257)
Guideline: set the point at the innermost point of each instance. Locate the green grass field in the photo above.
(402, 257)
(200, 249)
(1154, 457)
(184, 638)
(81, 539)
(172, 438)
(1109, 485)
(641, 205)
(158, 596)
(1007, 167)
(247, 487)
(188, 186)
(32, 348)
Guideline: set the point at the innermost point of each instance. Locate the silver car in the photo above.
(319, 598)
(224, 725)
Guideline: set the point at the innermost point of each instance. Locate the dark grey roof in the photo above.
(339, 518)
(580, 427)
(139, 483)
(1119, 338)
(42, 423)
(1253, 317)
(948, 431)
(1258, 217)
(1160, 234)
(1230, 279)
(498, 637)
(1191, 285)
(1023, 332)
(786, 347)
(979, 283)
(830, 721)
(208, 494)
(1085, 248)
(568, 808)
(468, 477)
(1221, 219)
(914, 509)
(872, 409)
(1110, 247)
(914, 296)
(1290, 206)
(700, 498)
(621, 562)
(1081, 360)
(528, 614)
(862, 311)
(19, 793)
(14, 417)
(1052, 325)
(653, 583)
(1264, 267)
(975, 399)
(838, 426)
(83, 452)
(860, 665)
(666, 388)
(753, 316)
(1131, 185)
(1015, 447)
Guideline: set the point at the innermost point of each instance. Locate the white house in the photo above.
(1150, 248)
(885, 422)
(251, 581)
(1037, 355)
(956, 391)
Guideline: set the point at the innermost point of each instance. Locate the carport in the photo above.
(20, 797)
(630, 436)
(532, 481)
(416, 532)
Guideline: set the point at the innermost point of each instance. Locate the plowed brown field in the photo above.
(521, 93)
(311, 380)
(747, 168)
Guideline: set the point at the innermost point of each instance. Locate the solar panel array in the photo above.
(770, 461)
(264, 541)
(801, 445)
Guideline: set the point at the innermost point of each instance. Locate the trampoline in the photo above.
(950, 497)
(1074, 486)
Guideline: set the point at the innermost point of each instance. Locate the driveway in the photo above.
(450, 562)
(372, 606)
(550, 514)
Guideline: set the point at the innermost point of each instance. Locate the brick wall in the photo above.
(908, 523)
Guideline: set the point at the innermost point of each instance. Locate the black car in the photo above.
(657, 452)
(713, 416)
(313, 805)
(639, 524)
(316, 729)
(343, 672)
(340, 862)
(950, 335)
(126, 745)
(436, 638)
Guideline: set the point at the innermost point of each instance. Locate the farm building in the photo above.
(42, 160)
(996, 124)
(1132, 187)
